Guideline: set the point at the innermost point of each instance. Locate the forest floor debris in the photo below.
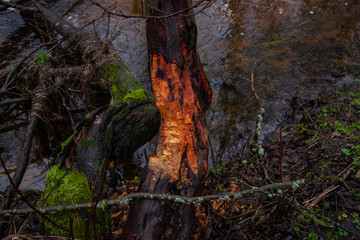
(320, 143)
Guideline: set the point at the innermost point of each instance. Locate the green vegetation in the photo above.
(333, 135)
(42, 57)
(67, 141)
(139, 94)
(123, 85)
(66, 187)
(274, 42)
(86, 142)
(221, 167)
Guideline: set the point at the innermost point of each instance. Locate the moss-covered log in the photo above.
(128, 117)
(182, 96)
(125, 118)
(114, 132)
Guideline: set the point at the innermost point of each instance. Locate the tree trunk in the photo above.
(182, 95)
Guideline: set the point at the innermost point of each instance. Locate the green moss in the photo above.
(110, 71)
(66, 142)
(117, 72)
(72, 189)
(86, 142)
(150, 107)
(139, 94)
(208, 79)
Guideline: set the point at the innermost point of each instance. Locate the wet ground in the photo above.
(320, 144)
(256, 53)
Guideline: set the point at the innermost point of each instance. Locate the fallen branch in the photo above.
(30, 205)
(14, 4)
(152, 196)
(166, 14)
(15, 100)
(252, 83)
(41, 94)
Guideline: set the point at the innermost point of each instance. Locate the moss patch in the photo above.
(72, 189)
(123, 85)
(86, 142)
(67, 141)
(139, 94)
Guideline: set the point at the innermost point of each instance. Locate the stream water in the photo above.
(257, 53)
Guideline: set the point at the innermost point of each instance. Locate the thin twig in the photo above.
(32, 208)
(252, 83)
(15, 100)
(307, 113)
(280, 154)
(300, 207)
(121, 14)
(17, 6)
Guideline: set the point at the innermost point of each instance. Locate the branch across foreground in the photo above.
(154, 196)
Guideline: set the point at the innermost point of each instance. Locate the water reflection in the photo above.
(270, 52)
(16, 39)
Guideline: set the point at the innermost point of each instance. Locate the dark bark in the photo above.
(182, 96)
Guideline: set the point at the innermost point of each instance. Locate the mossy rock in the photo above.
(72, 188)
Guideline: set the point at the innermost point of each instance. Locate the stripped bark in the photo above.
(182, 95)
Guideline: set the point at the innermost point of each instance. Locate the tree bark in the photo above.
(182, 94)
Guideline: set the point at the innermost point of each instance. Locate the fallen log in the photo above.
(129, 121)
(126, 116)
(38, 102)
(182, 95)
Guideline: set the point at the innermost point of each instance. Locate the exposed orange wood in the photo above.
(182, 130)
(182, 95)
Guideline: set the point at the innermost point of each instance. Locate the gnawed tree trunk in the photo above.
(182, 96)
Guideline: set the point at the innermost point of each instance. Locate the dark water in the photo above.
(293, 48)
(257, 53)
(17, 40)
